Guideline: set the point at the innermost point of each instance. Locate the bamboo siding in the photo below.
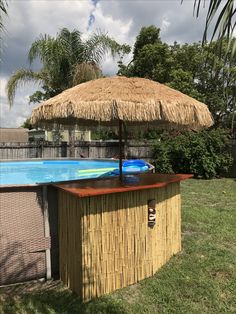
(105, 240)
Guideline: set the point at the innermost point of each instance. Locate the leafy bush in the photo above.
(103, 134)
(204, 154)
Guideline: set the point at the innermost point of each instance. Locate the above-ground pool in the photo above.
(47, 171)
(29, 246)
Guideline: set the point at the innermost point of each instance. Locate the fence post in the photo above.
(71, 142)
(63, 149)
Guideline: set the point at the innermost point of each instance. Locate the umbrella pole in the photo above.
(120, 150)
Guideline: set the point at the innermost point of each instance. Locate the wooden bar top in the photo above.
(93, 187)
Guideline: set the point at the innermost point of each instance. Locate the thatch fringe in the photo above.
(133, 100)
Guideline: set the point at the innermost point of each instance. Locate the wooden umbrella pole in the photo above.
(120, 149)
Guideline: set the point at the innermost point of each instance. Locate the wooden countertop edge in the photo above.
(86, 189)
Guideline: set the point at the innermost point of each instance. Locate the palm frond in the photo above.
(225, 21)
(20, 77)
(44, 48)
(53, 55)
(72, 45)
(3, 11)
(98, 45)
(3, 6)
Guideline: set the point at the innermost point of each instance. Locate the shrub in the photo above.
(204, 154)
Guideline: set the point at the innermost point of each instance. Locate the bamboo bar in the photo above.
(105, 240)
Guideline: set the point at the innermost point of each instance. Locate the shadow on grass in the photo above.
(59, 300)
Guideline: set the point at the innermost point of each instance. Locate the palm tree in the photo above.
(225, 23)
(66, 61)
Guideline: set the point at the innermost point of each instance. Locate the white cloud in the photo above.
(165, 24)
(15, 116)
(3, 83)
(20, 111)
(115, 26)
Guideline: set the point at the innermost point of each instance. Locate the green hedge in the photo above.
(204, 154)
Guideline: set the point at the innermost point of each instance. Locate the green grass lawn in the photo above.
(201, 279)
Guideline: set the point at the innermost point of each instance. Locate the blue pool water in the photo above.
(33, 172)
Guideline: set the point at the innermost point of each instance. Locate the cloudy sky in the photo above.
(121, 19)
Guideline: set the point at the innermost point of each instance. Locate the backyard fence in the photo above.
(89, 149)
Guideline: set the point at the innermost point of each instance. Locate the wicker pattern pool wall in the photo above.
(23, 243)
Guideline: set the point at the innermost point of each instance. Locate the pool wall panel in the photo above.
(22, 239)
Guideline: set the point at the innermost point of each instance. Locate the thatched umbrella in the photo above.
(113, 101)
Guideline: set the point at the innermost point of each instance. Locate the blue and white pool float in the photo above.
(132, 166)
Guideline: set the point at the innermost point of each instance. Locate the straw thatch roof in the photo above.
(133, 100)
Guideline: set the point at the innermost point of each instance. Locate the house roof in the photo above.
(13, 135)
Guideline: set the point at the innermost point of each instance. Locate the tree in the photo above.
(217, 81)
(213, 78)
(66, 61)
(148, 36)
(27, 124)
(153, 62)
(151, 57)
(198, 71)
(207, 75)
